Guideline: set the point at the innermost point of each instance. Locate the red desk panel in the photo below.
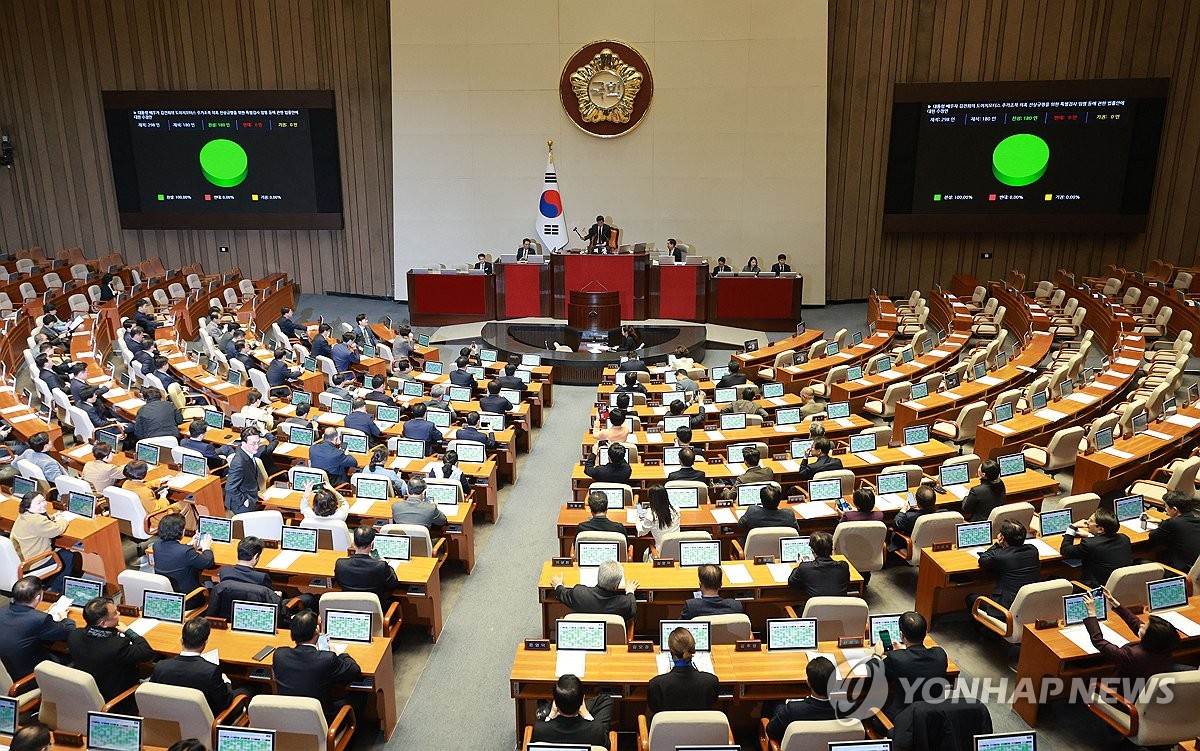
(766, 302)
(678, 292)
(625, 273)
(523, 290)
(441, 299)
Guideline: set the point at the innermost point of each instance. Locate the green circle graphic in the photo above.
(224, 163)
(1020, 160)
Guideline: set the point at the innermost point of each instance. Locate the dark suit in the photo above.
(307, 671)
(608, 472)
(757, 516)
(802, 710)
(822, 464)
(687, 473)
(601, 524)
(77, 385)
(245, 574)
(321, 347)
(423, 430)
(363, 421)
(291, 330)
(1014, 568)
(636, 388)
(823, 577)
(904, 523)
(468, 433)
(598, 234)
(576, 729)
(1181, 538)
(1131, 660)
(241, 484)
(910, 670)
(632, 365)
(678, 254)
(362, 573)
(51, 379)
(719, 268)
(279, 374)
(523, 252)
(158, 419)
(981, 499)
(27, 631)
(463, 378)
(204, 448)
(681, 689)
(181, 564)
(380, 396)
(1101, 555)
(487, 267)
(193, 671)
(511, 382)
(584, 599)
(166, 379)
(364, 335)
(731, 379)
(110, 656)
(495, 403)
(343, 357)
(780, 268)
(709, 605)
(332, 459)
(146, 322)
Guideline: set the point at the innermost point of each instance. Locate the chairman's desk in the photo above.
(747, 679)
(811, 516)
(419, 595)
(714, 441)
(928, 456)
(459, 532)
(1047, 654)
(661, 592)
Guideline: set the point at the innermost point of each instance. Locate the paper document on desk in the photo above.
(939, 353)
(285, 447)
(653, 438)
(951, 394)
(1117, 453)
(737, 573)
(913, 404)
(715, 435)
(1159, 436)
(701, 660)
(1104, 386)
(274, 493)
(81, 452)
(958, 491)
(212, 656)
(12, 409)
(1186, 625)
(863, 381)
(131, 404)
(329, 418)
(787, 428)
(780, 571)
(58, 610)
(208, 380)
(180, 481)
(778, 401)
(911, 451)
(814, 509)
(1049, 415)
(288, 411)
(115, 393)
(973, 552)
(845, 422)
(1079, 635)
(22, 418)
(1026, 369)
(1083, 397)
(1044, 548)
(737, 468)
(1129, 361)
(362, 506)
(631, 517)
(569, 661)
(1002, 429)
(284, 559)
(844, 355)
(858, 658)
(588, 574)
(723, 516)
(142, 626)
(1136, 525)
(97, 380)
(868, 457)
(1184, 421)
(892, 501)
(988, 380)
(790, 465)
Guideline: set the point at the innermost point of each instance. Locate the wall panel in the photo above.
(60, 54)
(874, 45)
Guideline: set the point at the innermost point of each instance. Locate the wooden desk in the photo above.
(714, 441)
(763, 302)
(874, 386)
(1102, 472)
(662, 591)
(764, 356)
(101, 539)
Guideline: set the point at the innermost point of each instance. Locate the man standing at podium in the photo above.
(598, 235)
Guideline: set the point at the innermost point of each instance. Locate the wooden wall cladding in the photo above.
(60, 54)
(878, 43)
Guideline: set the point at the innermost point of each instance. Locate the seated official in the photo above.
(377, 393)
(181, 564)
(405, 343)
(241, 353)
(631, 385)
(752, 265)
(323, 504)
(911, 668)
(153, 498)
(721, 267)
(278, 373)
(572, 721)
(41, 458)
(78, 381)
(415, 509)
(660, 517)
(510, 381)
(156, 418)
(253, 411)
(684, 687)
(598, 504)
(768, 513)
(687, 461)
(196, 442)
(526, 249)
(190, 670)
(617, 469)
(602, 599)
(819, 673)
(470, 432)
(863, 500)
(100, 472)
(28, 631)
(35, 531)
(710, 601)
(494, 402)
(144, 315)
(345, 353)
(341, 382)
(460, 376)
(300, 419)
(1014, 563)
(108, 651)
(363, 334)
(684, 382)
(755, 472)
(359, 419)
(315, 671)
(630, 340)
(377, 467)
(735, 376)
(822, 461)
(906, 520)
(1100, 546)
(47, 375)
(745, 405)
(481, 262)
(322, 345)
(1152, 654)
(1179, 534)
(822, 576)
(809, 405)
(987, 495)
(632, 364)
(618, 428)
(99, 413)
(781, 265)
(327, 454)
(162, 372)
(362, 572)
(449, 470)
(420, 429)
(439, 398)
(249, 550)
(241, 484)
(677, 408)
(680, 360)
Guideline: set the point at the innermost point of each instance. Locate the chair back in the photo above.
(896, 393)
(134, 584)
(420, 543)
(816, 735)
(1036, 601)
(969, 419)
(671, 540)
(1128, 583)
(669, 730)
(1082, 505)
(615, 630)
(1021, 513)
(265, 525)
(913, 472)
(1166, 709)
(863, 543)
(837, 616)
(931, 528)
(1064, 447)
(126, 507)
(10, 565)
(67, 696)
(727, 628)
(765, 541)
(845, 475)
(971, 460)
(363, 602)
(298, 721)
(621, 540)
(339, 531)
(882, 433)
(1183, 477)
(172, 712)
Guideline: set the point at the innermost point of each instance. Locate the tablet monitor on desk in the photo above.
(433, 367)
(298, 539)
(919, 391)
(824, 490)
(750, 494)
(1003, 412)
(1170, 406)
(513, 396)
(699, 629)
(300, 436)
(684, 498)
(310, 364)
(733, 421)
(1065, 388)
(149, 453)
(1012, 464)
(788, 416)
(82, 590)
(22, 485)
(795, 550)
(1054, 522)
(832, 348)
(580, 636)
(1040, 400)
(441, 418)
(423, 340)
(916, 435)
(394, 547)
(253, 617)
(1001, 360)
(339, 406)
(854, 372)
(1129, 507)
(9, 715)
(614, 496)
(798, 448)
(750, 345)
(488, 356)
(214, 418)
(244, 739)
(524, 375)
(113, 732)
(384, 413)
(1026, 741)
(718, 373)
(737, 452)
(355, 444)
(1074, 611)
(907, 355)
(862, 442)
(954, 474)
(372, 488)
(772, 390)
(442, 495)
(952, 380)
(593, 553)
(979, 371)
(217, 527)
(412, 388)
(837, 410)
(406, 448)
(879, 624)
(791, 633)
(725, 395)
(531, 361)
(348, 625)
(460, 393)
(1167, 594)
(234, 377)
(162, 606)
(972, 534)
(671, 455)
(196, 466)
(82, 504)
(892, 482)
(471, 452)
(857, 338)
(699, 552)
(477, 372)
(1140, 422)
(113, 437)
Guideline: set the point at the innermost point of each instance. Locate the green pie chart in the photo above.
(1020, 160)
(224, 163)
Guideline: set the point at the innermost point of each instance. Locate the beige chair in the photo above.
(837, 616)
(963, 428)
(837, 374)
(339, 531)
(68, 695)
(878, 364)
(668, 730)
(364, 602)
(882, 433)
(930, 528)
(1059, 454)
(762, 541)
(421, 545)
(815, 735)
(727, 628)
(1156, 328)
(134, 585)
(913, 472)
(126, 507)
(701, 488)
(845, 475)
(173, 712)
(671, 540)
(893, 395)
(985, 326)
(1033, 602)
(616, 631)
(863, 543)
(27, 698)
(299, 723)
(624, 549)
(1082, 505)
(12, 567)
(1022, 513)
(1162, 714)
(782, 360)
(1128, 583)
(1181, 477)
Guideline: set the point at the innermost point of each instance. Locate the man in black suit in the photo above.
(1102, 548)
(525, 250)
(721, 266)
(97, 412)
(632, 364)
(141, 346)
(361, 572)
(768, 513)
(420, 429)
(144, 316)
(313, 671)
(327, 454)
(494, 402)
(710, 601)
(678, 254)
(241, 484)
(617, 469)
(359, 419)
(28, 630)
(1179, 533)
(290, 328)
(781, 265)
(377, 394)
(191, 670)
(481, 262)
(684, 687)
(604, 598)
(822, 576)
(987, 495)
(815, 707)
(78, 381)
(912, 669)
(162, 372)
(570, 720)
(906, 521)
(195, 442)
(598, 505)
(599, 234)
(156, 418)
(363, 334)
(471, 432)
(1014, 563)
(46, 373)
(108, 651)
(180, 563)
(509, 380)
(249, 550)
(687, 469)
(320, 343)
(278, 372)
(631, 383)
(734, 377)
(821, 459)
(460, 376)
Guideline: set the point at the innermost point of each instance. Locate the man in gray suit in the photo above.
(415, 509)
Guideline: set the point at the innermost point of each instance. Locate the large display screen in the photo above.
(1034, 156)
(224, 159)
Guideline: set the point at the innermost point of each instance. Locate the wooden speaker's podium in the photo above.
(594, 311)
